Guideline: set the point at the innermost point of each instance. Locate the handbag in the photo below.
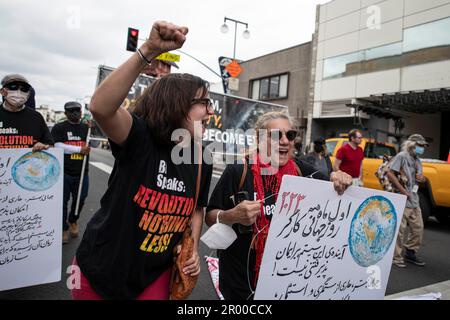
(181, 284)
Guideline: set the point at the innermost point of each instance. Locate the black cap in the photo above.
(14, 78)
(72, 105)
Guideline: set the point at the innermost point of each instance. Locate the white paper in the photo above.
(427, 296)
(31, 192)
(324, 246)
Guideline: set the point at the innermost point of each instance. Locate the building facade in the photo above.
(282, 77)
(383, 66)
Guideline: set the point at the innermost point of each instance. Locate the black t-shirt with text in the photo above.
(74, 135)
(234, 278)
(22, 129)
(129, 241)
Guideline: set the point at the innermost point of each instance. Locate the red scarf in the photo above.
(272, 183)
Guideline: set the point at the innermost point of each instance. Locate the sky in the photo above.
(58, 45)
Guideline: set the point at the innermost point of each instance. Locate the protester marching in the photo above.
(202, 194)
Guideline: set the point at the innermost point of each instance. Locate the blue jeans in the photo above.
(71, 185)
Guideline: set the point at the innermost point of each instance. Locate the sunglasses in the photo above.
(205, 101)
(276, 135)
(14, 86)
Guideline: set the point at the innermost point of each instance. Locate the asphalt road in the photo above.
(434, 252)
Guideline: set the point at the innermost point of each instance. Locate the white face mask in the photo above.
(219, 236)
(16, 98)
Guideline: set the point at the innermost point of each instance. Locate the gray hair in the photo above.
(264, 119)
(408, 145)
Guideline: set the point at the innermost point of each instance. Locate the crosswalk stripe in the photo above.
(442, 288)
(102, 166)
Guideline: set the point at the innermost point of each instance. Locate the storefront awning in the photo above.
(394, 106)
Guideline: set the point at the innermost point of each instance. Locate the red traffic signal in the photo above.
(132, 39)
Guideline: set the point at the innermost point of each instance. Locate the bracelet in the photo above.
(217, 217)
(143, 57)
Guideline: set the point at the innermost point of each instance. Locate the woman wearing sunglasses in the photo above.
(127, 248)
(26, 127)
(259, 178)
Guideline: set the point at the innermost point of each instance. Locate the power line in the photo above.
(203, 64)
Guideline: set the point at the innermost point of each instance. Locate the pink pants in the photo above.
(157, 290)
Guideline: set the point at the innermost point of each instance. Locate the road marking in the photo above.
(441, 287)
(102, 166)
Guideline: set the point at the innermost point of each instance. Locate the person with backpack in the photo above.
(259, 180)
(408, 163)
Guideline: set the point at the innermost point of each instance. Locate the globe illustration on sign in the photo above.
(372, 230)
(36, 171)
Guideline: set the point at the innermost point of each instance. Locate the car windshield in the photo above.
(331, 145)
(378, 150)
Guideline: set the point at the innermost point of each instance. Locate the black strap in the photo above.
(199, 175)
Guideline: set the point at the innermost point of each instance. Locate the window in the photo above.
(337, 67)
(383, 51)
(421, 44)
(331, 145)
(378, 150)
(264, 89)
(255, 90)
(429, 35)
(270, 88)
(274, 87)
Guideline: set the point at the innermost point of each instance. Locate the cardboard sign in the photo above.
(325, 246)
(31, 193)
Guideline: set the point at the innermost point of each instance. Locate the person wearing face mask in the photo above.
(20, 126)
(319, 158)
(408, 162)
(71, 135)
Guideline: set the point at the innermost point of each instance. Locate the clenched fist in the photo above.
(165, 37)
(341, 181)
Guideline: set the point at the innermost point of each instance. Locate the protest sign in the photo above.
(325, 246)
(31, 191)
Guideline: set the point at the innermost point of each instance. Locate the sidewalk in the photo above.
(442, 287)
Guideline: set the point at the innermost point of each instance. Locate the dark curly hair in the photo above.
(166, 103)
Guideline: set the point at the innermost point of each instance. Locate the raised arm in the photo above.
(337, 164)
(106, 102)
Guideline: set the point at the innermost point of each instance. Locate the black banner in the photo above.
(229, 129)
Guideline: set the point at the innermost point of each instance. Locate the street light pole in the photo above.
(246, 33)
(235, 36)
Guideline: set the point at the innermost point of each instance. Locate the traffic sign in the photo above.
(234, 69)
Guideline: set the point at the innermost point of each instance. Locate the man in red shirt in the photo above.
(349, 157)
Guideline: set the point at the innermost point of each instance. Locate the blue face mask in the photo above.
(420, 150)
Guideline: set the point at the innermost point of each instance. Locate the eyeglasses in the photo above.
(206, 102)
(276, 135)
(14, 86)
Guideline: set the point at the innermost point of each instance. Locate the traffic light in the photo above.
(132, 40)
